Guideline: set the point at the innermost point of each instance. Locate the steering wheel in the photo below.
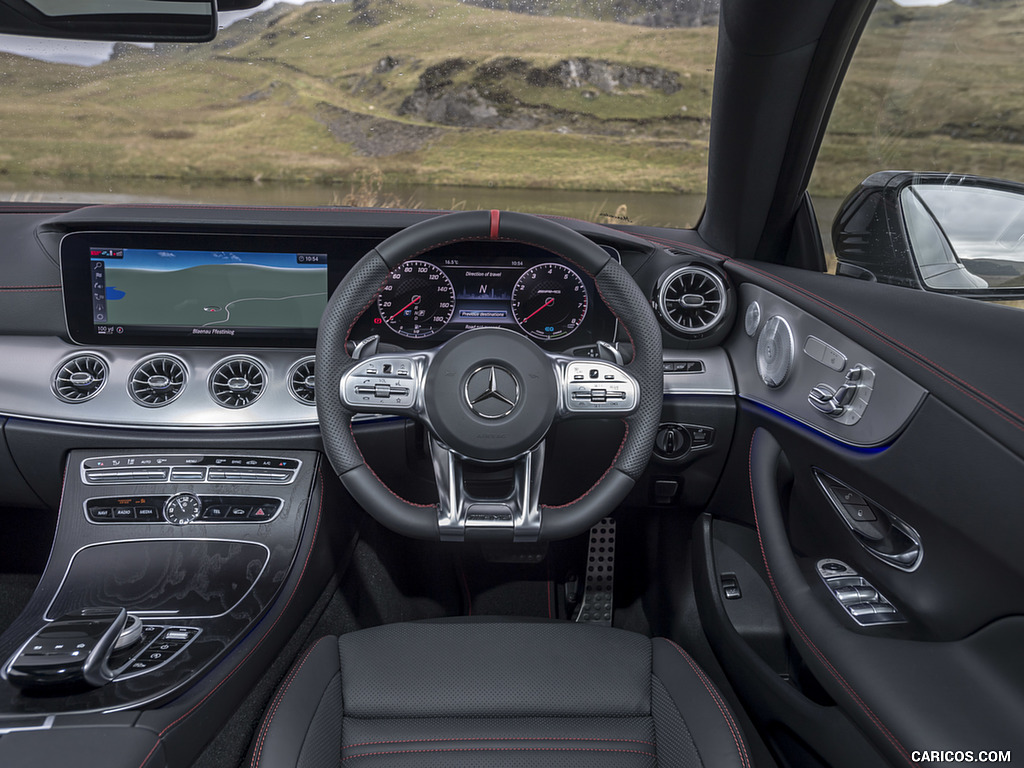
(488, 396)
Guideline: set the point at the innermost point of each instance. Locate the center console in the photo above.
(170, 560)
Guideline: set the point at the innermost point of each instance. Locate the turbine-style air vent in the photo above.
(238, 382)
(692, 300)
(157, 381)
(80, 378)
(302, 382)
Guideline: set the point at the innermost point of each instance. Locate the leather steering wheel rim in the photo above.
(359, 289)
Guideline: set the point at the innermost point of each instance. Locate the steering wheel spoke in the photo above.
(459, 511)
(488, 396)
(386, 383)
(595, 388)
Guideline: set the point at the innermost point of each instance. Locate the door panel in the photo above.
(948, 675)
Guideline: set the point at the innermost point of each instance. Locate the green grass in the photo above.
(930, 89)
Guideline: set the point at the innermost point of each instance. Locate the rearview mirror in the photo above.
(935, 232)
(166, 21)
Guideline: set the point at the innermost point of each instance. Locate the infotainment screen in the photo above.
(137, 288)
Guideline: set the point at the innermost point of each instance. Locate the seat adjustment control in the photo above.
(847, 402)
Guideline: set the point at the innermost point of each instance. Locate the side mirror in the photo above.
(165, 21)
(934, 232)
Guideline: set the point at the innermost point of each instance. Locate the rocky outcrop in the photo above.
(374, 136)
(461, 93)
(650, 13)
(606, 76)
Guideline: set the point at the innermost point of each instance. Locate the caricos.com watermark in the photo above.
(960, 756)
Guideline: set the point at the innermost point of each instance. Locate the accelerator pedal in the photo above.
(597, 606)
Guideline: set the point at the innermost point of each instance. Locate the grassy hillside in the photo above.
(441, 92)
(931, 89)
(300, 99)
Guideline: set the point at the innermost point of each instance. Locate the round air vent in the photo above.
(302, 381)
(80, 378)
(238, 382)
(692, 300)
(157, 381)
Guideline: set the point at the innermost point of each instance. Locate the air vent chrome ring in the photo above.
(692, 300)
(157, 381)
(302, 381)
(79, 378)
(238, 382)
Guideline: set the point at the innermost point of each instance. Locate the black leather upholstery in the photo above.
(497, 694)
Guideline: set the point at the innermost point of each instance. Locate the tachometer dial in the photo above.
(549, 301)
(417, 300)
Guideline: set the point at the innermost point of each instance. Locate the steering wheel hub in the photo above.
(490, 395)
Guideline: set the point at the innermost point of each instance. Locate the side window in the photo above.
(918, 181)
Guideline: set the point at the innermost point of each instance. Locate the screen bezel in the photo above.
(75, 260)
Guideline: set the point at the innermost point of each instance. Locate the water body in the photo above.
(652, 209)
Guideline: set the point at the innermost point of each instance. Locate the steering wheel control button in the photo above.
(599, 387)
(385, 382)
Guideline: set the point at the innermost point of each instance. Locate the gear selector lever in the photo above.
(72, 651)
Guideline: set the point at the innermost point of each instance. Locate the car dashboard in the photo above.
(160, 394)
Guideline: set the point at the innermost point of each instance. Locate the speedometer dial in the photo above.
(417, 300)
(549, 301)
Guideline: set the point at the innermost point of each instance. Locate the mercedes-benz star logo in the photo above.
(492, 392)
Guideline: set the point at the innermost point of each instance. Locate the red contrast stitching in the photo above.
(737, 735)
(305, 564)
(903, 349)
(495, 738)
(278, 698)
(500, 749)
(384, 485)
(837, 676)
(611, 466)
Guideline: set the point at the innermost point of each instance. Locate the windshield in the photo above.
(598, 111)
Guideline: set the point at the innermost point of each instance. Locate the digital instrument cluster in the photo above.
(433, 297)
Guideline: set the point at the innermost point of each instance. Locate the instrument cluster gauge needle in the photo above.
(415, 300)
(547, 303)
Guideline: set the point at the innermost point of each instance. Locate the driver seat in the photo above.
(497, 694)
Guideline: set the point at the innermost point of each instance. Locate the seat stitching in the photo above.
(837, 676)
(278, 698)
(498, 738)
(500, 749)
(27, 289)
(737, 735)
(227, 677)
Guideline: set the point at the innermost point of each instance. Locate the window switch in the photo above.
(731, 586)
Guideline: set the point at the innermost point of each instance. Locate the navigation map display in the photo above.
(210, 291)
(197, 296)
